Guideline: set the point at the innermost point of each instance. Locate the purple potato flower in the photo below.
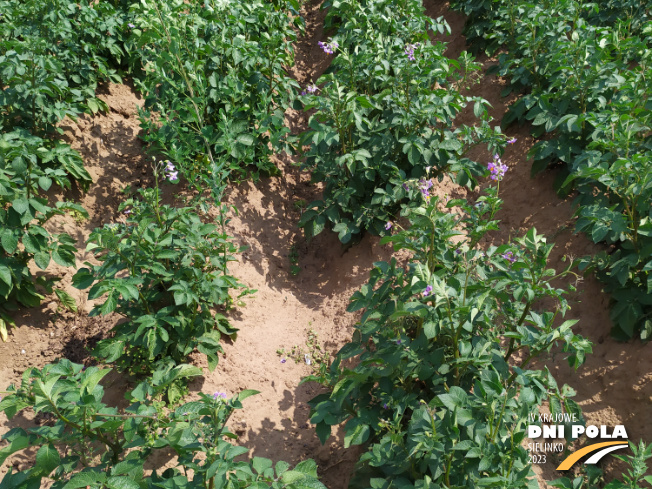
(131, 26)
(328, 47)
(497, 168)
(310, 89)
(219, 394)
(427, 291)
(509, 256)
(283, 360)
(171, 173)
(425, 186)
(409, 50)
(388, 226)
(512, 141)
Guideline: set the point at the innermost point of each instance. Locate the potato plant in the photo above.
(442, 378)
(29, 166)
(489, 20)
(618, 163)
(216, 76)
(386, 112)
(165, 271)
(584, 68)
(89, 444)
(53, 55)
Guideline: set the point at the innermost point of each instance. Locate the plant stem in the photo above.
(511, 348)
(116, 448)
(494, 431)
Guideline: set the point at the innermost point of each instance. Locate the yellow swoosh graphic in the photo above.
(571, 459)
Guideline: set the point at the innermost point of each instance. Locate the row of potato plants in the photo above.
(54, 54)
(216, 84)
(441, 383)
(212, 100)
(165, 271)
(86, 443)
(52, 57)
(163, 268)
(215, 76)
(386, 111)
(439, 378)
(581, 71)
(437, 382)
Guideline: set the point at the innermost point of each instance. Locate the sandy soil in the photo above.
(613, 386)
